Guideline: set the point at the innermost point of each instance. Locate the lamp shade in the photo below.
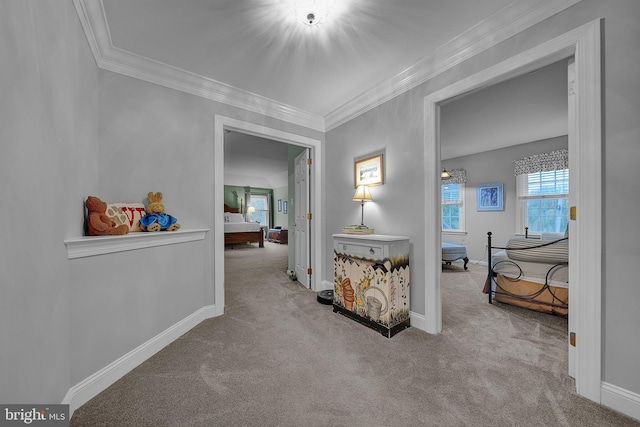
(445, 174)
(251, 209)
(362, 194)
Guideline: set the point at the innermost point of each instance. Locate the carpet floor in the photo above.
(279, 358)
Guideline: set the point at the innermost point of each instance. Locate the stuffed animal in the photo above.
(98, 222)
(156, 219)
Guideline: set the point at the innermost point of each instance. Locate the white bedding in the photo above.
(236, 227)
(531, 271)
(234, 223)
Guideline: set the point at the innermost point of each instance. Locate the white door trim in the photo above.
(220, 124)
(584, 44)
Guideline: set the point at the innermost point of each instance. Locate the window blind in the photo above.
(452, 190)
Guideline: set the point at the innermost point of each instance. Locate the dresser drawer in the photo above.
(359, 249)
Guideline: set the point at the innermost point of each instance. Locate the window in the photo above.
(261, 204)
(453, 207)
(543, 201)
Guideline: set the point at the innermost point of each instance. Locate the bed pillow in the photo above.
(126, 213)
(233, 217)
(553, 253)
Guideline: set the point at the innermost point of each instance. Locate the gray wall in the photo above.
(279, 218)
(493, 166)
(398, 127)
(69, 130)
(49, 163)
(154, 139)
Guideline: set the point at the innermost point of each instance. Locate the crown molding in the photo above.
(94, 23)
(509, 21)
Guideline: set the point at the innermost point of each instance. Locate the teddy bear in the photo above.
(156, 219)
(98, 223)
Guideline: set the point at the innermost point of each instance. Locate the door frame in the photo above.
(222, 123)
(584, 44)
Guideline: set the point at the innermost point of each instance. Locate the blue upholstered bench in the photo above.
(452, 252)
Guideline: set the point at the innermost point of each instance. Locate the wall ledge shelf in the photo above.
(86, 246)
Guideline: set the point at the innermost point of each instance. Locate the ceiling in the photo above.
(259, 49)
(254, 161)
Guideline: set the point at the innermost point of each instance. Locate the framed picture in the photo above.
(369, 171)
(279, 205)
(284, 207)
(489, 197)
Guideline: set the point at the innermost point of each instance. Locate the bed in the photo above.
(238, 231)
(530, 272)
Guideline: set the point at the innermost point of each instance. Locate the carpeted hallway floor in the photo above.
(279, 358)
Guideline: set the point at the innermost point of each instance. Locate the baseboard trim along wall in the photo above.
(90, 387)
(621, 400)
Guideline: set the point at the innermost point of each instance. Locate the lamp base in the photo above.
(357, 229)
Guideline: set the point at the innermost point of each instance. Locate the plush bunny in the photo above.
(156, 219)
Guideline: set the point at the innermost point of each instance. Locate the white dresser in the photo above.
(371, 280)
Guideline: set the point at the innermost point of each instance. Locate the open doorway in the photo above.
(483, 134)
(221, 124)
(261, 190)
(585, 146)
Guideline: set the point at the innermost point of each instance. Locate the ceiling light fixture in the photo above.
(312, 12)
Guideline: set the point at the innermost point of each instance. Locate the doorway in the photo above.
(221, 124)
(585, 146)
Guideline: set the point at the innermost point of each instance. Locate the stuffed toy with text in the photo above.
(98, 223)
(156, 219)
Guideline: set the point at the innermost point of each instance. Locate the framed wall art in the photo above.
(489, 197)
(369, 171)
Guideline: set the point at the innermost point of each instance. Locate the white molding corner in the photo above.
(509, 21)
(108, 57)
(621, 400)
(86, 246)
(93, 385)
(514, 18)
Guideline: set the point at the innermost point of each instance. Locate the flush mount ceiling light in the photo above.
(313, 12)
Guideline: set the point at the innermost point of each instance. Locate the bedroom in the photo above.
(259, 167)
(522, 117)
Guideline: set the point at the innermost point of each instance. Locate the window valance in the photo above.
(543, 162)
(458, 176)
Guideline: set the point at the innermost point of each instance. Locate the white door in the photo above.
(301, 225)
(573, 180)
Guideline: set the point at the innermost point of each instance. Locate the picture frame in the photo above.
(490, 197)
(279, 205)
(284, 207)
(369, 171)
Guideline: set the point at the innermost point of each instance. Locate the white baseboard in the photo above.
(621, 400)
(90, 387)
(418, 321)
